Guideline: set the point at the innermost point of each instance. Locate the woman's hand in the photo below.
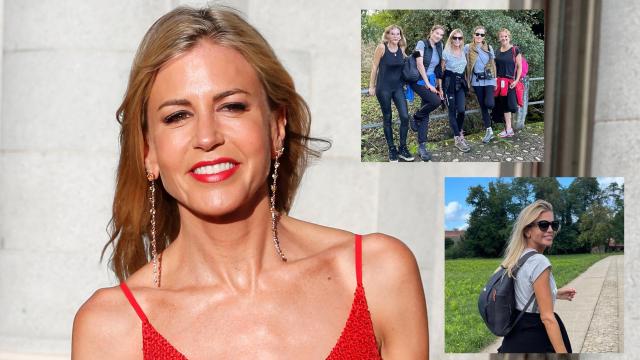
(566, 293)
(513, 84)
(441, 94)
(372, 90)
(431, 88)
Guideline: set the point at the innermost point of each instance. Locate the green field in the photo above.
(465, 331)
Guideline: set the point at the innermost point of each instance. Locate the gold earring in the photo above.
(274, 214)
(152, 212)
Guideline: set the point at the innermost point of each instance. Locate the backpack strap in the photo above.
(521, 262)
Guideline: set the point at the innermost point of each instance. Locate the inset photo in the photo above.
(534, 265)
(452, 85)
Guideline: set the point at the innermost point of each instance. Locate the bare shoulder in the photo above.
(387, 260)
(313, 239)
(395, 295)
(105, 326)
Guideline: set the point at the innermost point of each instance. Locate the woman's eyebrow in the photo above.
(222, 95)
(234, 91)
(174, 102)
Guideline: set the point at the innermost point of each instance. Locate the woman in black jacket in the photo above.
(428, 55)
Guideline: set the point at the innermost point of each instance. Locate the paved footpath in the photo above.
(594, 319)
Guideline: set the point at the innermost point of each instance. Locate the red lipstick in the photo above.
(217, 176)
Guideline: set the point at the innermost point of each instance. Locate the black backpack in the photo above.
(410, 72)
(497, 301)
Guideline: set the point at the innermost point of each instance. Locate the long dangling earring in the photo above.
(152, 212)
(274, 214)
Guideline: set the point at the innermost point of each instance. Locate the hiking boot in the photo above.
(393, 154)
(405, 154)
(488, 135)
(424, 154)
(413, 123)
(461, 144)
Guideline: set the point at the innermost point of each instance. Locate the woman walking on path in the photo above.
(429, 67)
(508, 70)
(481, 72)
(540, 330)
(455, 86)
(386, 84)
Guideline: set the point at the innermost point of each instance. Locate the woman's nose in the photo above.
(207, 134)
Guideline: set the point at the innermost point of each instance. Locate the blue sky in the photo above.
(457, 210)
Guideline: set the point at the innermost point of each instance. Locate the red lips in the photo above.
(217, 176)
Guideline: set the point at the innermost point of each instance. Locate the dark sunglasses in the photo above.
(543, 225)
(480, 34)
(456, 37)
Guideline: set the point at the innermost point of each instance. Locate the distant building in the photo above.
(454, 234)
(615, 246)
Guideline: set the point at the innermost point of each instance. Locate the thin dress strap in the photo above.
(133, 302)
(359, 259)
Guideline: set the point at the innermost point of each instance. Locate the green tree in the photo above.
(596, 226)
(491, 219)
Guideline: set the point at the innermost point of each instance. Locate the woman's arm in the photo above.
(542, 290)
(396, 298)
(377, 55)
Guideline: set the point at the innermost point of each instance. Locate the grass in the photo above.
(465, 332)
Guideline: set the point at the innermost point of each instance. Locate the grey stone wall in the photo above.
(64, 70)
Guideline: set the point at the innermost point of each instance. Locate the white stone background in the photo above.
(64, 71)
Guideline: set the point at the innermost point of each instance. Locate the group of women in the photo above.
(446, 74)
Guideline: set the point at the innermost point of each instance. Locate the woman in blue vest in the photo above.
(387, 84)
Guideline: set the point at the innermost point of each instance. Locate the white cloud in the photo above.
(451, 210)
(456, 212)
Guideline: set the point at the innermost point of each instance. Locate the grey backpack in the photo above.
(497, 301)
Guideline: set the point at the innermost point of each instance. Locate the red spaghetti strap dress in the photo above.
(357, 340)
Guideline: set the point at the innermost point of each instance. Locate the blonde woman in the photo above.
(508, 69)
(540, 330)
(214, 141)
(455, 85)
(481, 75)
(387, 84)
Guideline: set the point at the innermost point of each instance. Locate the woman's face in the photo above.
(211, 134)
(479, 35)
(457, 39)
(504, 38)
(393, 36)
(436, 35)
(537, 238)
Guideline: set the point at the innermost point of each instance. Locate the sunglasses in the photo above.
(480, 34)
(543, 225)
(456, 37)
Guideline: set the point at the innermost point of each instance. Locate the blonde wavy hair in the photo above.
(518, 241)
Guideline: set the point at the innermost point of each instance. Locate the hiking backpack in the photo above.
(410, 72)
(497, 301)
(524, 64)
